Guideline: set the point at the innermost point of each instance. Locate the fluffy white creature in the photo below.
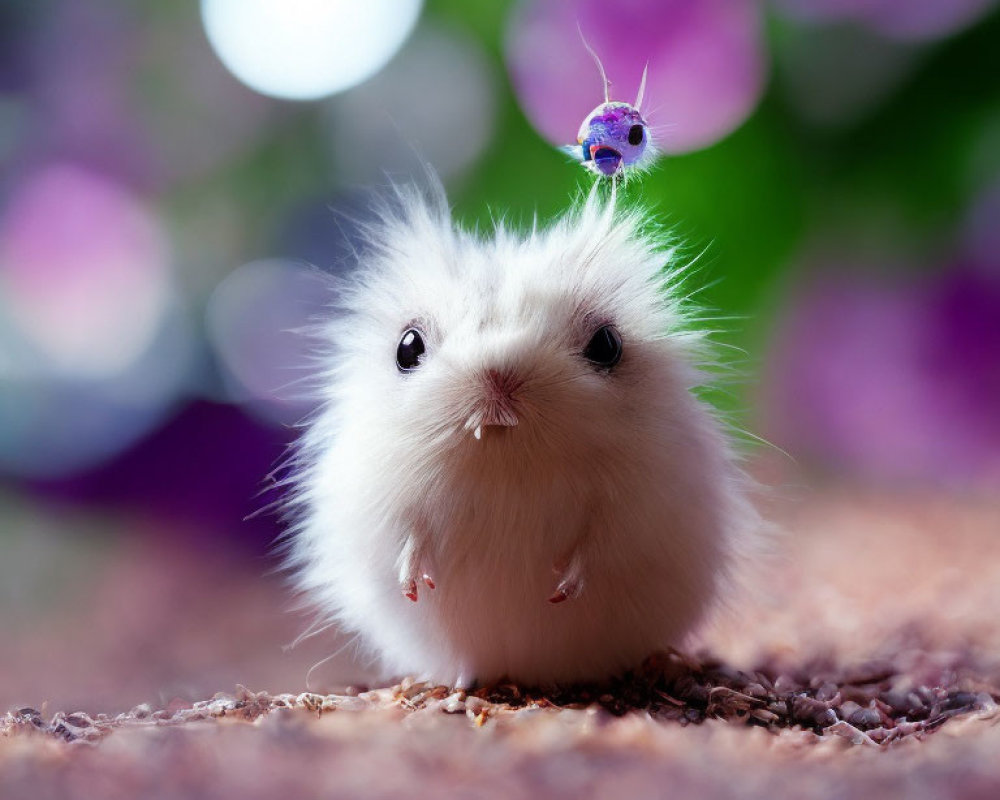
(510, 475)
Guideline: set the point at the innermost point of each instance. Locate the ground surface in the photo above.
(865, 663)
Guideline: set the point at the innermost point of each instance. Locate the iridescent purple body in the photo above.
(613, 136)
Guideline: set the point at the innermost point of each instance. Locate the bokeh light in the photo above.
(327, 235)
(436, 103)
(198, 119)
(706, 64)
(84, 270)
(81, 62)
(258, 322)
(54, 425)
(891, 379)
(306, 49)
(835, 74)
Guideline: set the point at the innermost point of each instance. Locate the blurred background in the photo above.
(173, 174)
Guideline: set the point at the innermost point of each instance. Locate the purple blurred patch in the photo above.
(83, 268)
(903, 19)
(982, 228)
(133, 92)
(259, 320)
(893, 381)
(81, 61)
(203, 472)
(706, 64)
(16, 22)
(962, 354)
(327, 234)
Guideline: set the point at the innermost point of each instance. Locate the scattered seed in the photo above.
(867, 705)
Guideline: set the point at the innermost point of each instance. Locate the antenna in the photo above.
(642, 88)
(600, 66)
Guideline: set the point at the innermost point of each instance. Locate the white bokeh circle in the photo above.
(306, 49)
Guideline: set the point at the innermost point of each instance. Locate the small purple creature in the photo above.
(614, 136)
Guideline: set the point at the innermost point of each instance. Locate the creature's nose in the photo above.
(497, 403)
(499, 398)
(502, 384)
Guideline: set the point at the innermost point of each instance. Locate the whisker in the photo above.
(333, 655)
(314, 628)
(763, 441)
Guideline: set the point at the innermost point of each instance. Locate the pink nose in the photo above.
(498, 406)
(502, 383)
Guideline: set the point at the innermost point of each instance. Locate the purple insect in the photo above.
(614, 137)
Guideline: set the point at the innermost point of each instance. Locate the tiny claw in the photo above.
(429, 581)
(410, 591)
(558, 596)
(570, 586)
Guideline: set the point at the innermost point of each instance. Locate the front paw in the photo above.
(408, 585)
(412, 570)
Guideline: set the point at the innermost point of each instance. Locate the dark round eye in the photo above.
(635, 135)
(604, 349)
(411, 347)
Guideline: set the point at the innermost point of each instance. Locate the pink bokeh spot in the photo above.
(83, 269)
(706, 65)
(258, 320)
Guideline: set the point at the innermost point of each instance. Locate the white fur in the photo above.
(619, 485)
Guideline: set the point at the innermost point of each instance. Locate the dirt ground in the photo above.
(865, 662)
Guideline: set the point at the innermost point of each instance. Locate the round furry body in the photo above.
(510, 475)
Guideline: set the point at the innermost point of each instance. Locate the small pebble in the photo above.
(474, 704)
(764, 681)
(454, 703)
(960, 700)
(765, 716)
(865, 718)
(899, 701)
(871, 672)
(756, 690)
(779, 707)
(688, 689)
(827, 692)
(878, 735)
